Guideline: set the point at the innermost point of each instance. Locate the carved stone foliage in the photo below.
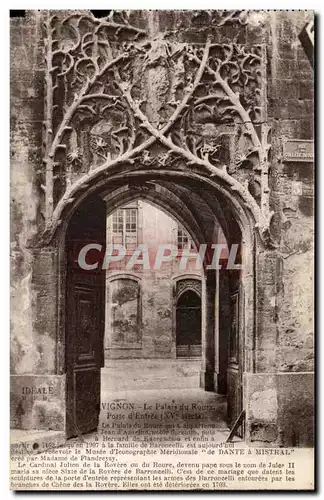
(188, 284)
(222, 17)
(116, 97)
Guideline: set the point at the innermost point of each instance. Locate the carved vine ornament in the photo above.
(116, 98)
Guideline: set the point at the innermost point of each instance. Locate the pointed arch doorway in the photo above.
(210, 363)
(188, 325)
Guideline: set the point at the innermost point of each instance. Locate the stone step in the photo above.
(150, 374)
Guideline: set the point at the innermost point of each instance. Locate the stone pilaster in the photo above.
(208, 331)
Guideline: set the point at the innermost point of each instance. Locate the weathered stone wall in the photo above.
(156, 299)
(34, 284)
(292, 116)
(32, 338)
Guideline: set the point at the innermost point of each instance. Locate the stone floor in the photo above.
(161, 392)
(134, 374)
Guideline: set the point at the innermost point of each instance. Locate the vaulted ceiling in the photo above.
(203, 215)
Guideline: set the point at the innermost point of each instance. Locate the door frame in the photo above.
(178, 297)
(193, 277)
(117, 276)
(89, 225)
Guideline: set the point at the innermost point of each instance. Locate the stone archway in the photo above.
(210, 321)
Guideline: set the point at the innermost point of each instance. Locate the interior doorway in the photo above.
(188, 325)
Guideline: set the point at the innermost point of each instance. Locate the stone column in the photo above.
(260, 381)
(37, 388)
(208, 330)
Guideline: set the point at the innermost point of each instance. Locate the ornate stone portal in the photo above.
(172, 107)
(117, 98)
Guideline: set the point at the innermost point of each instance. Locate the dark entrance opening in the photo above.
(188, 329)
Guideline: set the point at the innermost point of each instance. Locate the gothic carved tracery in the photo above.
(188, 284)
(116, 96)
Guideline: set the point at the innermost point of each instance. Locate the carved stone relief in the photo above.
(188, 284)
(115, 97)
